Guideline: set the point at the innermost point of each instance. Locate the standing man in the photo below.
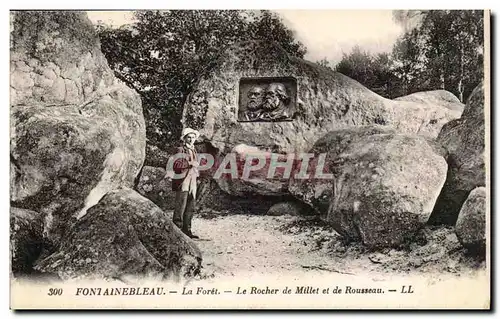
(185, 186)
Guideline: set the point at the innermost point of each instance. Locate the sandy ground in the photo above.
(237, 245)
(274, 253)
(240, 244)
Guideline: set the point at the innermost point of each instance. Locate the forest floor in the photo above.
(242, 245)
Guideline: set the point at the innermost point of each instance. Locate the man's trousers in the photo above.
(185, 205)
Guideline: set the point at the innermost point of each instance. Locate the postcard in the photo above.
(250, 159)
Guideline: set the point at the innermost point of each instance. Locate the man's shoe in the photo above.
(190, 234)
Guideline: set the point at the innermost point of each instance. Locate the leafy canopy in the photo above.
(163, 53)
(439, 49)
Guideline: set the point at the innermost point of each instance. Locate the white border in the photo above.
(184, 4)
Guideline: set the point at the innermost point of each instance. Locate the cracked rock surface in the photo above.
(78, 134)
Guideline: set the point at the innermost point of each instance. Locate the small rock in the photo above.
(341, 249)
(417, 262)
(377, 258)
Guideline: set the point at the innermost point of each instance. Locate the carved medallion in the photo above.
(267, 99)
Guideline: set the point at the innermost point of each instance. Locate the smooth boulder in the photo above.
(436, 97)
(318, 193)
(125, 236)
(471, 222)
(383, 186)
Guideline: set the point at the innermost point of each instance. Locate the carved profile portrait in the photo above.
(266, 99)
(276, 102)
(254, 103)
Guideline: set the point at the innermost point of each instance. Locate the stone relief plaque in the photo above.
(266, 99)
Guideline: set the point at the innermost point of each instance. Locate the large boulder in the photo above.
(326, 101)
(60, 52)
(77, 132)
(26, 239)
(318, 193)
(60, 157)
(125, 236)
(383, 186)
(437, 97)
(471, 222)
(464, 140)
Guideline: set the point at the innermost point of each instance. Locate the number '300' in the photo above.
(55, 292)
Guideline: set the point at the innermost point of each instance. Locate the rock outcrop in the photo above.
(125, 236)
(464, 140)
(76, 131)
(326, 101)
(471, 222)
(384, 184)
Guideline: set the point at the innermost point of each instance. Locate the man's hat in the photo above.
(187, 131)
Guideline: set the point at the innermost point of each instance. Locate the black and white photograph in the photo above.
(250, 159)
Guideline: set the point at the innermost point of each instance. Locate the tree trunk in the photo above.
(461, 76)
(442, 73)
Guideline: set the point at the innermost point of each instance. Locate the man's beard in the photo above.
(253, 105)
(271, 103)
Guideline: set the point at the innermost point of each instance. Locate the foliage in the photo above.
(439, 49)
(454, 50)
(373, 71)
(325, 63)
(163, 53)
(408, 63)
